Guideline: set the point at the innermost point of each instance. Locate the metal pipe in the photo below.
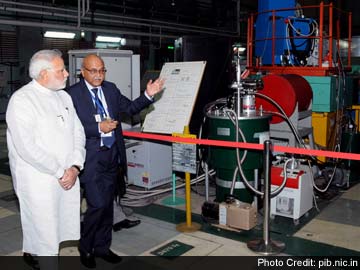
(37, 12)
(349, 40)
(66, 15)
(79, 15)
(162, 24)
(238, 16)
(35, 6)
(188, 199)
(267, 183)
(251, 45)
(321, 25)
(266, 245)
(331, 14)
(206, 182)
(248, 45)
(75, 28)
(273, 38)
(83, 8)
(338, 36)
(165, 24)
(116, 21)
(47, 13)
(256, 185)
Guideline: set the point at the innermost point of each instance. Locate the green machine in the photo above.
(236, 119)
(255, 129)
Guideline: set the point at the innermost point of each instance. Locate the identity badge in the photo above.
(97, 118)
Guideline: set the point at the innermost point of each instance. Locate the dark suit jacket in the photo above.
(117, 104)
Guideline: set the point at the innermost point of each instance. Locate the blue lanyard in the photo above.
(98, 104)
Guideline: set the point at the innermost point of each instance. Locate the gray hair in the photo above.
(41, 61)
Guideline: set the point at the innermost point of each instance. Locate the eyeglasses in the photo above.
(95, 71)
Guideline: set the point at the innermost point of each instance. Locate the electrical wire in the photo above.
(234, 120)
(297, 136)
(284, 116)
(297, 31)
(138, 198)
(280, 188)
(239, 167)
(290, 42)
(265, 42)
(289, 122)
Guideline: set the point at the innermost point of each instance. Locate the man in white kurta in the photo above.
(46, 152)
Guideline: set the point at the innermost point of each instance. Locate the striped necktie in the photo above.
(107, 141)
(97, 101)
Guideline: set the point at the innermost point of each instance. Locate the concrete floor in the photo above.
(333, 231)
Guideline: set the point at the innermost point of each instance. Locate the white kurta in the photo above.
(44, 137)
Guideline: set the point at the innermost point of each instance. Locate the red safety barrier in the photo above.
(255, 146)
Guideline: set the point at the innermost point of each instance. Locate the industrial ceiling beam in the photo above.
(81, 18)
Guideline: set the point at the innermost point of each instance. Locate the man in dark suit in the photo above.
(98, 104)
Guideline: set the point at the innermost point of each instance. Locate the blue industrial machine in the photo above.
(282, 25)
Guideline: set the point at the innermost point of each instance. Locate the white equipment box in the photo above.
(149, 164)
(296, 198)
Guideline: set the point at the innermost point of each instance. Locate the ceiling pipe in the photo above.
(78, 14)
(105, 14)
(34, 5)
(89, 29)
(86, 7)
(83, 8)
(79, 20)
(174, 26)
(238, 16)
(46, 13)
(162, 24)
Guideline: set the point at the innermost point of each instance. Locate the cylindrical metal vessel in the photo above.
(223, 159)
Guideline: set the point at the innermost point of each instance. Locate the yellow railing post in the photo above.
(189, 226)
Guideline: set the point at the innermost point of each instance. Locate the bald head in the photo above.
(93, 70)
(92, 59)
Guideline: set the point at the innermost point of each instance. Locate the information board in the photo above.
(184, 157)
(173, 107)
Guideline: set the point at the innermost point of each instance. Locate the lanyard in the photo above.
(98, 103)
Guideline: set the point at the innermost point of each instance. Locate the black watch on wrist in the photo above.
(76, 167)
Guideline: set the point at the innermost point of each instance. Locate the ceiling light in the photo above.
(108, 39)
(123, 42)
(55, 34)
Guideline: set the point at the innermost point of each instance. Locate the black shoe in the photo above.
(31, 261)
(111, 257)
(87, 259)
(125, 224)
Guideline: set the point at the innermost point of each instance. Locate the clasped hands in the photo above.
(108, 125)
(67, 181)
